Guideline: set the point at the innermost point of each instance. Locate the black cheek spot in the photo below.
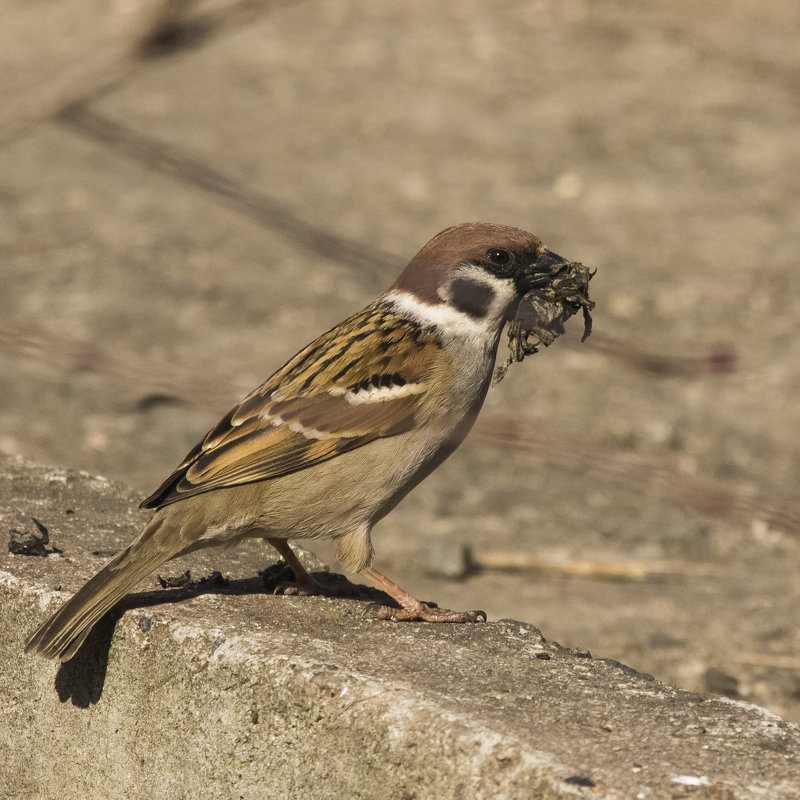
(471, 297)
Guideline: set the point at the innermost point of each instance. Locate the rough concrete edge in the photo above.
(523, 773)
(406, 717)
(526, 766)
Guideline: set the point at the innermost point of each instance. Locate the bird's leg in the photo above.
(411, 608)
(304, 582)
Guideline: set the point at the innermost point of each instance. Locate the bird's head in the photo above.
(478, 270)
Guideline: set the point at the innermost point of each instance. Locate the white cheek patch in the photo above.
(442, 315)
(474, 303)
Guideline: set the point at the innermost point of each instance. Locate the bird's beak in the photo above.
(540, 272)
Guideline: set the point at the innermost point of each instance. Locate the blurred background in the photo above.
(192, 190)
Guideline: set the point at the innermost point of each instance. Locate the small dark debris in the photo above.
(69, 511)
(216, 578)
(29, 541)
(217, 643)
(25, 543)
(145, 624)
(275, 574)
(175, 582)
(543, 656)
(579, 652)
(578, 780)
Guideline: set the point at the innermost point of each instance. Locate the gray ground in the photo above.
(191, 192)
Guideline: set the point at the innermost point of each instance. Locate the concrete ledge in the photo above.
(233, 693)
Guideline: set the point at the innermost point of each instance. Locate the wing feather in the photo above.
(360, 381)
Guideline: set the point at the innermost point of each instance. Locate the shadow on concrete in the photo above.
(81, 679)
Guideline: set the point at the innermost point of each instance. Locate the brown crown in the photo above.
(429, 268)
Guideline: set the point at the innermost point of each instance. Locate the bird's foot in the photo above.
(410, 609)
(423, 612)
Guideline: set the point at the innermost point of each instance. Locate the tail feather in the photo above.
(62, 635)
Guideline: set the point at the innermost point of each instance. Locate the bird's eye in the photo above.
(498, 257)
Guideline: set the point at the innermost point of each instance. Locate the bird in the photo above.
(339, 435)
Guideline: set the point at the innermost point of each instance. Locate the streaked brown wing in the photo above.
(374, 368)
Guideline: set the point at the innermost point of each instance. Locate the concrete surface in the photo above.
(228, 692)
(189, 192)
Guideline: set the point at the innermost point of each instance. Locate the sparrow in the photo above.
(338, 436)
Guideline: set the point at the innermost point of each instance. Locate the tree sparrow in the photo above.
(342, 432)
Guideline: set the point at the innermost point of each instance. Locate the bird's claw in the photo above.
(423, 612)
